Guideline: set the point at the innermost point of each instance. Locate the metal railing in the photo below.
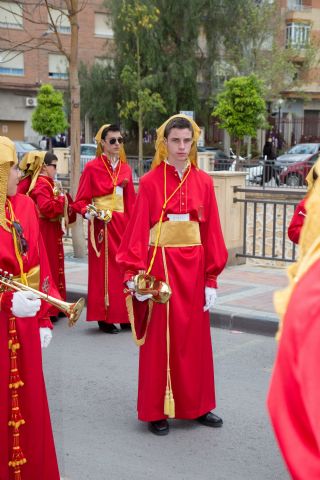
(265, 226)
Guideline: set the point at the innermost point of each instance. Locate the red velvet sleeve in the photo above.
(133, 251)
(48, 205)
(129, 197)
(84, 193)
(297, 222)
(216, 254)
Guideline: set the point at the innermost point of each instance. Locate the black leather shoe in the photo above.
(125, 326)
(61, 315)
(108, 327)
(210, 420)
(54, 319)
(159, 427)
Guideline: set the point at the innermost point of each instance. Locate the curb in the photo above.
(250, 324)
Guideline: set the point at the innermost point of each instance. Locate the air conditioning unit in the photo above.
(31, 102)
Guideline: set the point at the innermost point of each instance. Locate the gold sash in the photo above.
(176, 234)
(105, 202)
(32, 277)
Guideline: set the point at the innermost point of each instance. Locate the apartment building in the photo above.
(29, 56)
(298, 109)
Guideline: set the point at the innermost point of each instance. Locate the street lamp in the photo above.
(279, 103)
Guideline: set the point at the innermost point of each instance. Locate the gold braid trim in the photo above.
(129, 305)
(4, 175)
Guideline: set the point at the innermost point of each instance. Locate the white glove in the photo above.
(211, 296)
(141, 298)
(45, 336)
(89, 216)
(25, 304)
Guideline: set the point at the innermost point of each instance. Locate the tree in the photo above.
(49, 118)
(45, 35)
(134, 19)
(99, 93)
(241, 107)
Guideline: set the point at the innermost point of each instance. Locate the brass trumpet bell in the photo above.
(71, 310)
(94, 211)
(147, 284)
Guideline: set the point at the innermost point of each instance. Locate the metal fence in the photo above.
(265, 226)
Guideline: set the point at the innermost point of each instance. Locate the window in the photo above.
(58, 67)
(10, 15)
(11, 63)
(103, 25)
(298, 34)
(104, 62)
(298, 5)
(60, 20)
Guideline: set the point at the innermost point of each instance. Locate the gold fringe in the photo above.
(129, 305)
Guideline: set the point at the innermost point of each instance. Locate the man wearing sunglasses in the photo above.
(39, 170)
(27, 446)
(106, 197)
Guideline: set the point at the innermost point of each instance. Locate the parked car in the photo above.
(88, 149)
(295, 175)
(23, 147)
(303, 153)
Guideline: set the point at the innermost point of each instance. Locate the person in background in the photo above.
(105, 197)
(294, 393)
(174, 235)
(27, 446)
(269, 156)
(39, 172)
(300, 212)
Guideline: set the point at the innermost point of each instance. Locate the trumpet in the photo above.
(148, 285)
(71, 310)
(104, 215)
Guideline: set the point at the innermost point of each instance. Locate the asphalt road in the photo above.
(92, 382)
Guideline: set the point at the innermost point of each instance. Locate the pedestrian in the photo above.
(106, 184)
(269, 170)
(39, 172)
(27, 446)
(43, 143)
(294, 393)
(174, 234)
(300, 212)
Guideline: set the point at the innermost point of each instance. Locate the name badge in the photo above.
(179, 217)
(119, 191)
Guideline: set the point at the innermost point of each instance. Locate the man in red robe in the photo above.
(27, 447)
(294, 394)
(106, 184)
(174, 234)
(39, 170)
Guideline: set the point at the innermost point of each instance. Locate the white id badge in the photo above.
(119, 191)
(179, 217)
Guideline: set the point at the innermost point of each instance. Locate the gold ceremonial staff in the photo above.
(71, 310)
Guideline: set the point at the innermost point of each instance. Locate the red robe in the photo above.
(36, 439)
(51, 210)
(190, 269)
(294, 394)
(95, 181)
(297, 221)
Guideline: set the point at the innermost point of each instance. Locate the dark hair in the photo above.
(178, 122)
(314, 175)
(111, 128)
(49, 158)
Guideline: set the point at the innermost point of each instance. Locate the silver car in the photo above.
(298, 153)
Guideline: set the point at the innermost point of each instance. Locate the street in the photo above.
(91, 381)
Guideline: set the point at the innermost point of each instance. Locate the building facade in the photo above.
(31, 40)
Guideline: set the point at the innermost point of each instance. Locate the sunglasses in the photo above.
(22, 242)
(54, 165)
(112, 141)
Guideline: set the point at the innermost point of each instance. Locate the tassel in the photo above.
(172, 410)
(16, 417)
(17, 474)
(18, 457)
(166, 402)
(14, 379)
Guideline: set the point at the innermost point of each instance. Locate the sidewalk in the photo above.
(244, 297)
